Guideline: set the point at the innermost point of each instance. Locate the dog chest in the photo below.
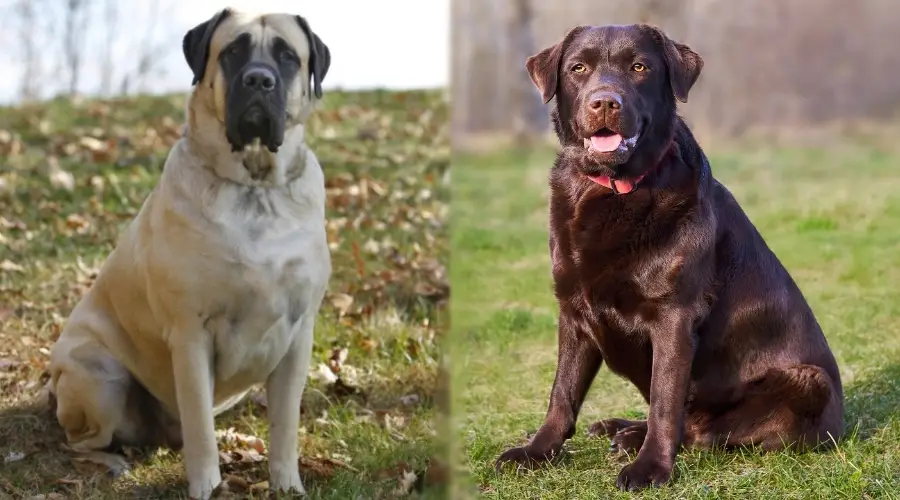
(277, 266)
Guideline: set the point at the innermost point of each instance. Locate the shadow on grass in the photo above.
(47, 467)
(33, 458)
(872, 401)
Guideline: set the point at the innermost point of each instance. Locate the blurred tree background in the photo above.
(769, 64)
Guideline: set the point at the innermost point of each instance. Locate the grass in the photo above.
(385, 157)
(831, 214)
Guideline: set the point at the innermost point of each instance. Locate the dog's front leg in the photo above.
(578, 361)
(193, 370)
(284, 389)
(673, 344)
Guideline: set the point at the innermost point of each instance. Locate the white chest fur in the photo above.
(251, 262)
(277, 261)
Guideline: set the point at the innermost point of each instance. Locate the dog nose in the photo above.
(605, 100)
(259, 79)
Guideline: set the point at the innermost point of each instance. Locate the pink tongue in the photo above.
(623, 186)
(607, 143)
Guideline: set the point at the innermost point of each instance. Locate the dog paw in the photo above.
(629, 439)
(286, 481)
(524, 457)
(644, 473)
(611, 426)
(207, 485)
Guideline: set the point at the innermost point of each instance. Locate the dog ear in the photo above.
(543, 67)
(196, 44)
(319, 57)
(684, 65)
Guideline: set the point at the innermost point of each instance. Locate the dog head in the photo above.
(615, 89)
(253, 72)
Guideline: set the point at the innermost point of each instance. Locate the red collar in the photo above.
(625, 186)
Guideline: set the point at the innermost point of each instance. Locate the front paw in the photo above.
(285, 480)
(206, 485)
(527, 457)
(644, 472)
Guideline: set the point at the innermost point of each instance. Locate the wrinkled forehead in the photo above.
(263, 31)
(613, 40)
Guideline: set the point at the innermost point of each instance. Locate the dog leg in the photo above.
(611, 426)
(284, 390)
(91, 390)
(624, 435)
(192, 366)
(796, 407)
(578, 362)
(673, 353)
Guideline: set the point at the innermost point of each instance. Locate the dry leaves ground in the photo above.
(73, 173)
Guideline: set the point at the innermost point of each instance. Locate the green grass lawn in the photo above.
(833, 218)
(385, 157)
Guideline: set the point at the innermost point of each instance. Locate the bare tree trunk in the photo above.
(529, 118)
(28, 86)
(149, 54)
(111, 18)
(76, 22)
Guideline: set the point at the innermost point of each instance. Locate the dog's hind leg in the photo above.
(798, 407)
(90, 388)
(625, 435)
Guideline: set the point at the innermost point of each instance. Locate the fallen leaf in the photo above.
(10, 266)
(247, 456)
(98, 462)
(230, 439)
(405, 483)
(337, 359)
(323, 373)
(262, 485)
(369, 345)
(342, 303)
(322, 467)
(13, 456)
(236, 483)
(78, 223)
(59, 178)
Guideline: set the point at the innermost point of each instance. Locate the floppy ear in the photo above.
(684, 65)
(319, 57)
(543, 67)
(196, 44)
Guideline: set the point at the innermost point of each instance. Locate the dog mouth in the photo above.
(610, 149)
(258, 121)
(606, 141)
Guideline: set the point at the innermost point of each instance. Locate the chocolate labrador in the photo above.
(659, 272)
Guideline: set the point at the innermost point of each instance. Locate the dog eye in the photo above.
(288, 56)
(638, 67)
(579, 68)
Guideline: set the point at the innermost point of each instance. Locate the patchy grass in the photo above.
(832, 216)
(73, 173)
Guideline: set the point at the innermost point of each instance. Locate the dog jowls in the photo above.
(659, 273)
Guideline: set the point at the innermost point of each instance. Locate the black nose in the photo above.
(605, 100)
(259, 79)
